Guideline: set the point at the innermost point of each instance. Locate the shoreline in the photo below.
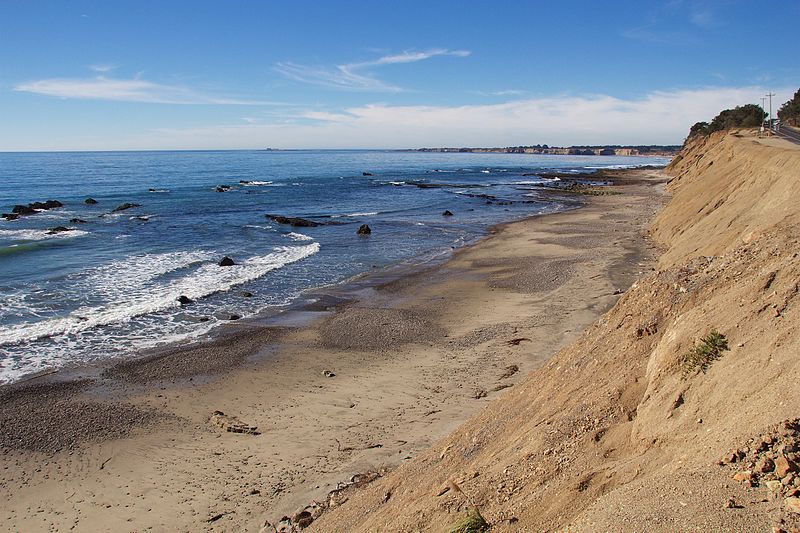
(412, 358)
(313, 303)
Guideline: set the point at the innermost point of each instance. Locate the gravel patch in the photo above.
(372, 328)
(49, 418)
(205, 358)
(539, 276)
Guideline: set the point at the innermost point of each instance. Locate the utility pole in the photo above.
(770, 95)
(763, 110)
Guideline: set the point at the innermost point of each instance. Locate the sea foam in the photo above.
(132, 288)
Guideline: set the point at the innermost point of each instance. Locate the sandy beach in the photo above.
(358, 385)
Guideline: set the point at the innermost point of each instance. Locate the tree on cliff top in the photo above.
(745, 116)
(789, 113)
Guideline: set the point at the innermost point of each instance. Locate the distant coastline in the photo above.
(638, 150)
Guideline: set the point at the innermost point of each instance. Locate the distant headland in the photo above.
(648, 150)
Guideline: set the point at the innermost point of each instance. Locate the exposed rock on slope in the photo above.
(610, 434)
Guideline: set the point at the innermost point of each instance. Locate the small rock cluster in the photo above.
(303, 518)
(772, 461)
(31, 209)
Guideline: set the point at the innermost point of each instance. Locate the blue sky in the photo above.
(196, 75)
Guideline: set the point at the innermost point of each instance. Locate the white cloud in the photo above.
(661, 117)
(347, 77)
(126, 90)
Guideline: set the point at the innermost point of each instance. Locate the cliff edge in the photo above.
(676, 410)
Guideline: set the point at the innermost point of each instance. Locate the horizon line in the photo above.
(422, 148)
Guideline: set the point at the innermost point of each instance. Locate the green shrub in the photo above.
(701, 355)
(473, 522)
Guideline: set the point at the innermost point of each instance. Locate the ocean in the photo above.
(108, 286)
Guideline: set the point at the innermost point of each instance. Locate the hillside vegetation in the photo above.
(621, 430)
(745, 116)
(789, 113)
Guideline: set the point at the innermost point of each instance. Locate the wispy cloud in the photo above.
(501, 92)
(409, 57)
(651, 34)
(509, 92)
(706, 14)
(339, 77)
(102, 67)
(661, 117)
(127, 90)
(355, 76)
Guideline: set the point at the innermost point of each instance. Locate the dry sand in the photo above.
(132, 448)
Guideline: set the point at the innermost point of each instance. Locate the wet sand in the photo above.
(131, 447)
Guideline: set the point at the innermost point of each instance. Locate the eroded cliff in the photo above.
(616, 432)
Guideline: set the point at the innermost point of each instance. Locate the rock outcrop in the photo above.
(125, 207)
(31, 209)
(297, 222)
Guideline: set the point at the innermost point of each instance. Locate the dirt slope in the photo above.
(610, 435)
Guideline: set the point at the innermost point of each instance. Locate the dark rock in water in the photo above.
(222, 188)
(447, 213)
(49, 204)
(184, 300)
(58, 229)
(33, 208)
(246, 294)
(364, 230)
(245, 182)
(90, 201)
(23, 210)
(366, 174)
(294, 221)
(226, 262)
(225, 315)
(10, 216)
(77, 221)
(125, 206)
